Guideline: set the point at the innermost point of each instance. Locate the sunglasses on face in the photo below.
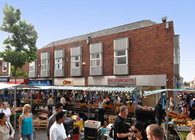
(134, 131)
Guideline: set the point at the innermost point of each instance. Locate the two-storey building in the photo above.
(143, 54)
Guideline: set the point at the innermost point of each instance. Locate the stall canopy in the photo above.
(4, 86)
(165, 90)
(111, 89)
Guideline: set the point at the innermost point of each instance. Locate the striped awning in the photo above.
(111, 89)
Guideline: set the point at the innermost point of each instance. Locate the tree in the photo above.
(186, 83)
(20, 46)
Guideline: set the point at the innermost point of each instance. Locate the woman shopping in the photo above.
(6, 130)
(138, 131)
(26, 128)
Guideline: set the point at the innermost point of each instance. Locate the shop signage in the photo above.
(122, 81)
(4, 79)
(66, 82)
(40, 82)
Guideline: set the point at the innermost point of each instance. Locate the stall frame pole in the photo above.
(167, 118)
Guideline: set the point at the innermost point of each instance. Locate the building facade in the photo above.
(142, 54)
(5, 73)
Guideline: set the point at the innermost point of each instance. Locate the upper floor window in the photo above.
(58, 63)
(32, 66)
(45, 64)
(75, 61)
(4, 67)
(96, 59)
(120, 57)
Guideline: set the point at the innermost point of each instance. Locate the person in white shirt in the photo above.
(50, 104)
(5, 128)
(101, 110)
(6, 110)
(63, 100)
(57, 130)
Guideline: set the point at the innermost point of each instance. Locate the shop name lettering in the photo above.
(121, 81)
(66, 82)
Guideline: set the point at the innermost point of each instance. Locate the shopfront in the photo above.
(4, 80)
(143, 82)
(40, 82)
(69, 82)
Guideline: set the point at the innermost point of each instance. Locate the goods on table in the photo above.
(92, 130)
(92, 124)
(181, 120)
(145, 108)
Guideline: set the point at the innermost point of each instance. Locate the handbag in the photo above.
(10, 130)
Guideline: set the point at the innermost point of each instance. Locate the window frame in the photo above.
(3, 67)
(96, 59)
(32, 65)
(58, 63)
(46, 65)
(121, 56)
(75, 61)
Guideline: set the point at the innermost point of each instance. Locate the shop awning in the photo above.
(17, 82)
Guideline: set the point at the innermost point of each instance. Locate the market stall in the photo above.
(177, 123)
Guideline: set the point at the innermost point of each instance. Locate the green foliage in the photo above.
(20, 46)
(186, 83)
(18, 73)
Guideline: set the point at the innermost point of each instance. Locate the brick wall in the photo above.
(150, 53)
(1, 69)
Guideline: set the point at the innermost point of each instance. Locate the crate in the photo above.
(40, 124)
(92, 133)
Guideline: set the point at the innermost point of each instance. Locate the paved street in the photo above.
(40, 135)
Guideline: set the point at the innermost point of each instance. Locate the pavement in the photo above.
(40, 135)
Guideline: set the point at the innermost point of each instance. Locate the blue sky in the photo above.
(60, 19)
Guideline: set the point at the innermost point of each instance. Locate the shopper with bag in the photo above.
(26, 128)
(6, 130)
(6, 110)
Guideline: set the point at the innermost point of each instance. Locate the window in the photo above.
(95, 60)
(75, 61)
(58, 63)
(120, 57)
(4, 67)
(32, 66)
(45, 64)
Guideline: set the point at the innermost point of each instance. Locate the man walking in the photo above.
(57, 130)
(121, 130)
(52, 119)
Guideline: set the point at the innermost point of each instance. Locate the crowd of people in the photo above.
(56, 130)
